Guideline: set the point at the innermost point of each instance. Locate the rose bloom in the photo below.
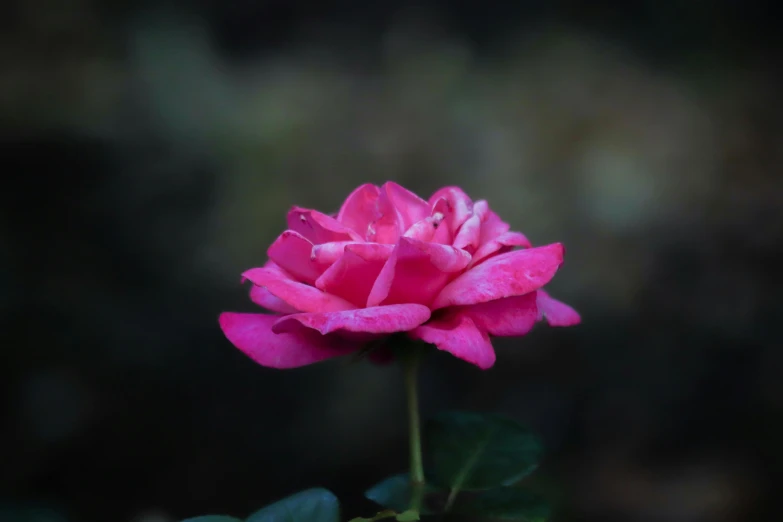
(446, 271)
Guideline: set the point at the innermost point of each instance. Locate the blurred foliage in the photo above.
(151, 151)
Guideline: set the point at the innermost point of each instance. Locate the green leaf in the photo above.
(408, 516)
(396, 492)
(312, 505)
(469, 451)
(378, 516)
(212, 518)
(504, 503)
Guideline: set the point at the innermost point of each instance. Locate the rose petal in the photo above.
(556, 313)
(293, 252)
(359, 209)
(469, 235)
(353, 275)
(444, 234)
(265, 299)
(386, 226)
(319, 228)
(501, 244)
(301, 296)
(492, 226)
(507, 317)
(373, 320)
(327, 254)
(457, 334)
(425, 229)
(252, 334)
(460, 203)
(506, 275)
(416, 272)
(409, 207)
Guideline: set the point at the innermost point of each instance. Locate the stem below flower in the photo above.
(410, 367)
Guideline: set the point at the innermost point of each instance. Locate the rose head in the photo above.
(445, 271)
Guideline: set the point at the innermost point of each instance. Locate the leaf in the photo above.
(395, 493)
(504, 503)
(378, 516)
(212, 518)
(312, 505)
(408, 516)
(469, 451)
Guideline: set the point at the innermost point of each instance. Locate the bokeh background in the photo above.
(150, 151)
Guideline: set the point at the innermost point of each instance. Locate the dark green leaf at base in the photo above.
(470, 451)
(396, 493)
(503, 504)
(312, 505)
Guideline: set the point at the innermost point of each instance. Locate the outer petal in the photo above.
(555, 312)
(457, 334)
(460, 203)
(416, 272)
(293, 252)
(374, 320)
(265, 299)
(354, 274)
(300, 296)
(319, 228)
(252, 334)
(359, 209)
(507, 317)
(409, 207)
(502, 243)
(506, 275)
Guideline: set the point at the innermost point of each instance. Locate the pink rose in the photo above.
(445, 271)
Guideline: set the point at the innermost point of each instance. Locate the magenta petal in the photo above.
(387, 226)
(416, 272)
(252, 334)
(492, 226)
(556, 313)
(425, 229)
(318, 227)
(265, 299)
(373, 320)
(507, 317)
(506, 275)
(444, 234)
(469, 234)
(504, 240)
(360, 209)
(327, 254)
(409, 207)
(293, 252)
(353, 275)
(457, 334)
(459, 202)
(300, 296)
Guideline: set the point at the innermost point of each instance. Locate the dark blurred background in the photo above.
(150, 151)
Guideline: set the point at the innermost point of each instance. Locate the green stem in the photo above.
(410, 367)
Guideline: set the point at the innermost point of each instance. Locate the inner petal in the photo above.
(416, 272)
